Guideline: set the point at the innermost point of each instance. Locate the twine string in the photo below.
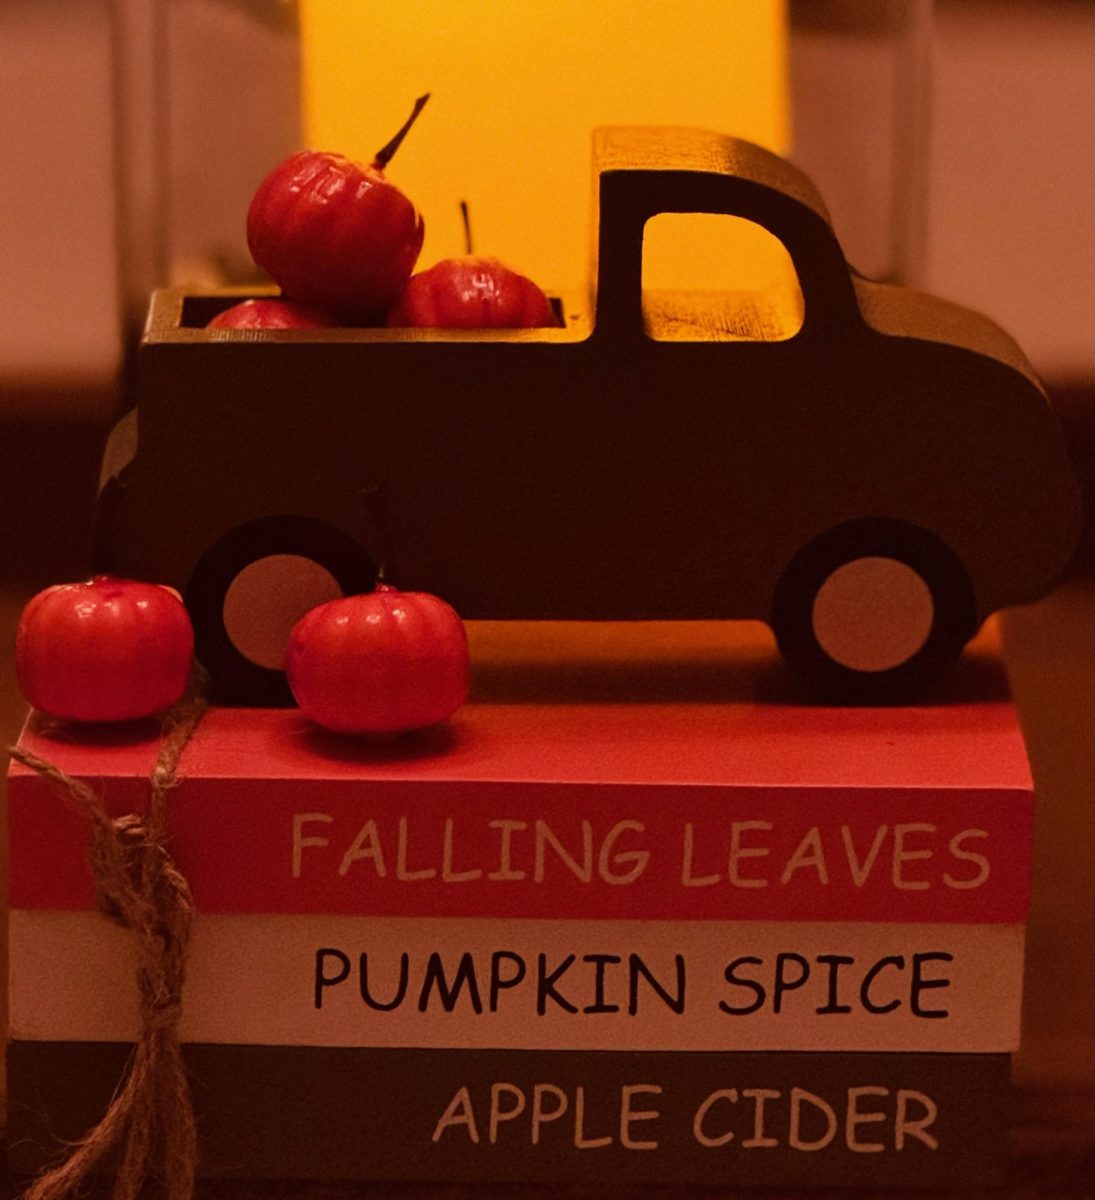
(148, 1133)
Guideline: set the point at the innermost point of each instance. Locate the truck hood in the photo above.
(903, 312)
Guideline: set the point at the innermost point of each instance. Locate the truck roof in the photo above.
(677, 148)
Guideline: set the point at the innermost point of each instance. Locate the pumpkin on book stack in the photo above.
(644, 909)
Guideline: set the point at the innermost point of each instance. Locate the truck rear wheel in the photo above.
(249, 589)
(873, 610)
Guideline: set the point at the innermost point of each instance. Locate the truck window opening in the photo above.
(709, 277)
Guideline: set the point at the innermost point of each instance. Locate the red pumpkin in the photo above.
(380, 663)
(106, 650)
(271, 314)
(337, 233)
(471, 293)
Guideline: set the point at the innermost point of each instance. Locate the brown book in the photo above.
(717, 1119)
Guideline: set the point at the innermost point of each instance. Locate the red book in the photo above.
(720, 810)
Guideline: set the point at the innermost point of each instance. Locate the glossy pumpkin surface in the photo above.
(105, 650)
(380, 663)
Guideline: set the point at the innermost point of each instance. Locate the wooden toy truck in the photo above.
(873, 483)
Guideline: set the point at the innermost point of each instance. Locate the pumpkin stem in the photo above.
(385, 153)
(381, 547)
(467, 228)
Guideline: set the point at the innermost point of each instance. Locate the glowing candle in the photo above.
(517, 88)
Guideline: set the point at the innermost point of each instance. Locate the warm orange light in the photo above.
(517, 88)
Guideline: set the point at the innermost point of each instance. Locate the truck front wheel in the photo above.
(873, 610)
(249, 589)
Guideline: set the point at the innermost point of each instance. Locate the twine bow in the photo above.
(148, 1135)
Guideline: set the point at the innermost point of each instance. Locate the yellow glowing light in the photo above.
(517, 87)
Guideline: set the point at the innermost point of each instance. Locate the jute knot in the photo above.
(130, 829)
(161, 1015)
(123, 865)
(148, 1135)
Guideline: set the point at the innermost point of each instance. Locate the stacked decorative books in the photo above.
(708, 941)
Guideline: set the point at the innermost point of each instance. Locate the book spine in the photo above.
(533, 984)
(808, 1120)
(535, 850)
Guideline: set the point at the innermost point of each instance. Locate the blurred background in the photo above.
(954, 142)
